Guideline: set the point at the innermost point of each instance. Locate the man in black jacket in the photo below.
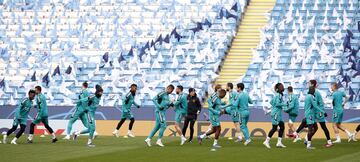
(194, 108)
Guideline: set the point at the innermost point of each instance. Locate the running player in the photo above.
(127, 102)
(41, 116)
(181, 106)
(92, 104)
(162, 103)
(232, 110)
(277, 104)
(79, 111)
(21, 115)
(242, 102)
(215, 110)
(338, 112)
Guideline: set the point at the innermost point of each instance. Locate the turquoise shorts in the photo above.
(233, 113)
(179, 116)
(215, 121)
(337, 117)
(127, 115)
(18, 121)
(320, 117)
(276, 118)
(292, 118)
(310, 119)
(39, 118)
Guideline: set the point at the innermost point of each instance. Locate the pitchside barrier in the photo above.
(108, 117)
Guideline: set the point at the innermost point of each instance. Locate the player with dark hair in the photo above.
(21, 115)
(41, 116)
(311, 107)
(181, 106)
(127, 101)
(242, 101)
(92, 104)
(194, 108)
(320, 115)
(338, 103)
(162, 103)
(215, 110)
(278, 105)
(79, 111)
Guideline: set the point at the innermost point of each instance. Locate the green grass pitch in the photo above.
(134, 149)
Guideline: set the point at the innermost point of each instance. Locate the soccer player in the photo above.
(92, 104)
(194, 108)
(21, 114)
(232, 110)
(215, 110)
(181, 107)
(320, 113)
(127, 102)
(242, 101)
(311, 107)
(214, 94)
(338, 112)
(292, 109)
(79, 111)
(277, 104)
(162, 103)
(355, 133)
(41, 116)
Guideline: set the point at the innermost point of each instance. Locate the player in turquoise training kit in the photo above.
(242, 102)
(79, 111)
(277, 104)
(215, 110)
(338, 112)
(41, 116)
(21, 115)
(292, 110)
(162, 103)
(181, 105)
(233, 110)
(127, 102)
(311, 107)
(92, 104)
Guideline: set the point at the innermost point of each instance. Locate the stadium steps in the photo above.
(247, 38)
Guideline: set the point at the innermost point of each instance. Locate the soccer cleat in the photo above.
(148, 142)
(4, 139)
(290, 135)
(305, 142)
(199, 140)
(267, 144)
(95, 135)
(91, 145)
(239, 139)
(247, 142)
(67, 137)
(213, 149)
(183, 140)
(327, 145)
(29, 141)
(159, 143)
(54, 140)
(337, 141)
(310, 148)
(115, 133)
(351, 137)
(297, 138)
(13, 142)
(216, 146)
(130, 134)
(280, 145)
(230, 138)
(75, 136)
